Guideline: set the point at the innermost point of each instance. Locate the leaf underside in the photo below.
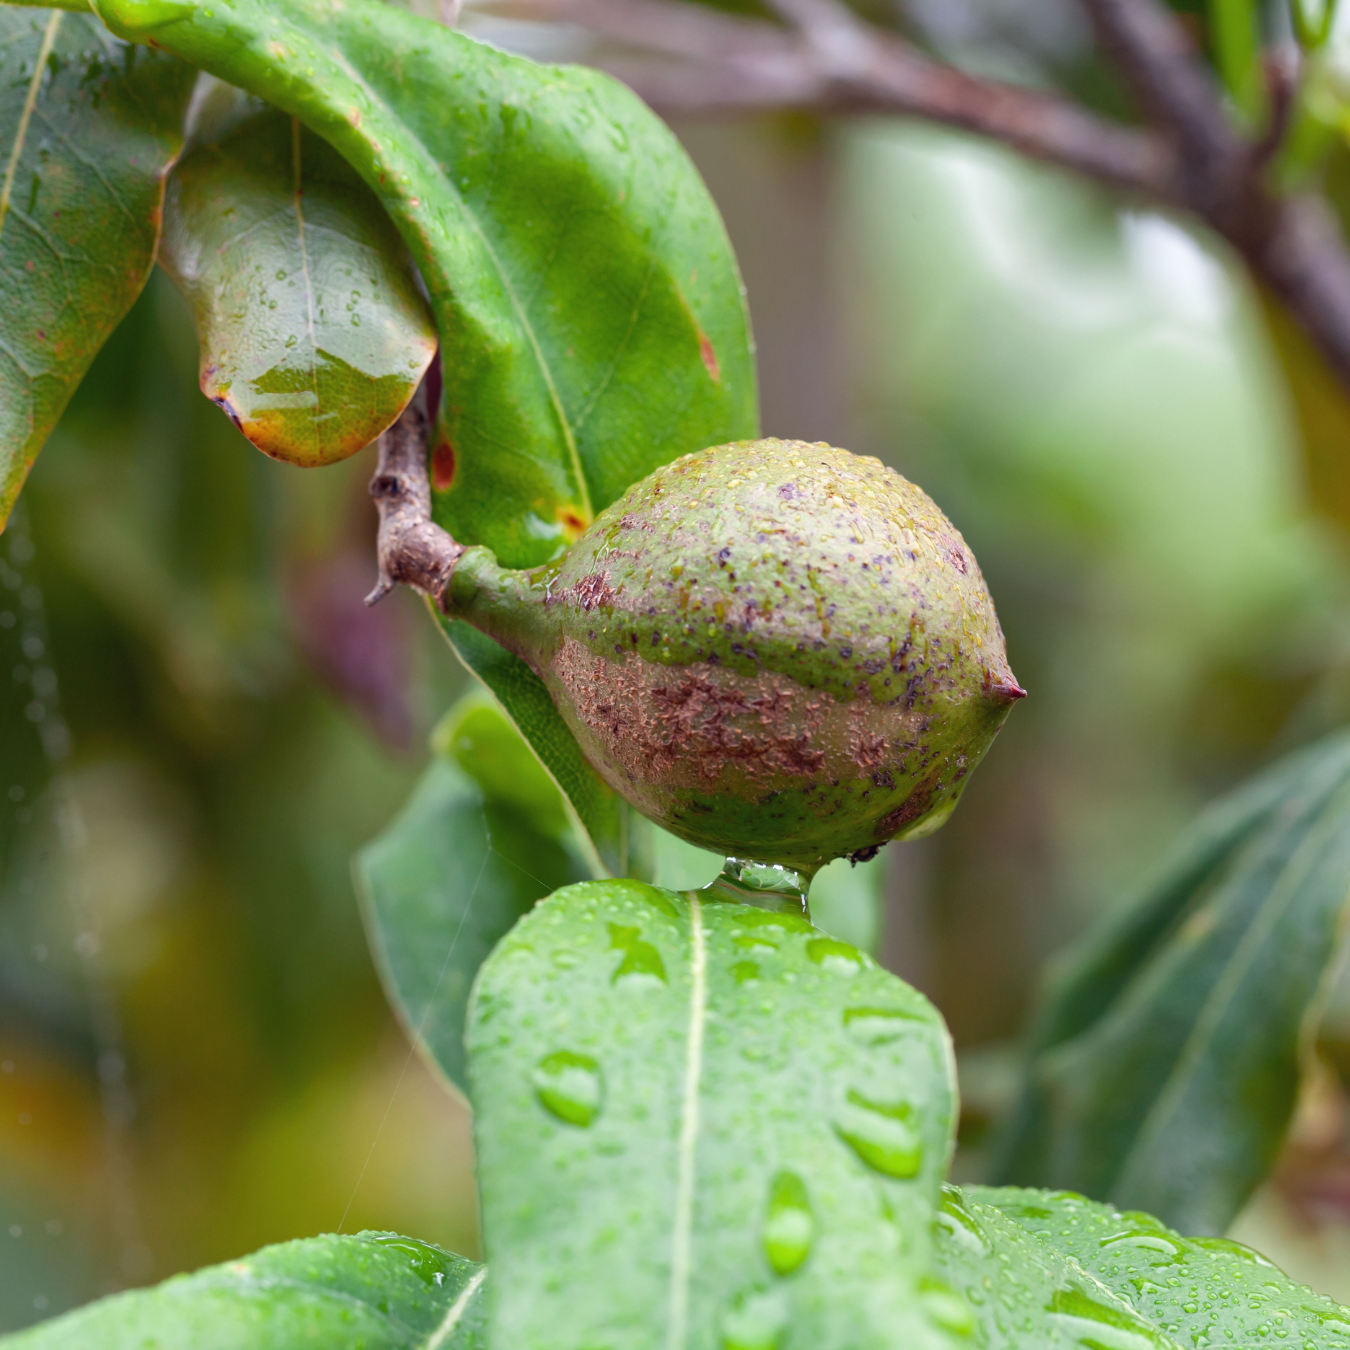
(1168, 1058)
(704, 1124)
(88, 129)
(313, 334)
(371, 1291)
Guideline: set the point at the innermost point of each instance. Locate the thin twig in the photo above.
(837, 63)
(823, 57)
(411, 548)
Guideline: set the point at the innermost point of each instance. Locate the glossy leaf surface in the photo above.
(372, 1291)
(590, 313)
(1170, 1056)
(484, 837)
(1024, 1293)
(313, 333)
(704, 1124)
(88, 129)
(1203, 1291)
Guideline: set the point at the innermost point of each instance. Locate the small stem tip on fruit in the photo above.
(412, 549)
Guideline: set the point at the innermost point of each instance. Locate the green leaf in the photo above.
(313, 333)
(484, 837)
(603, 815)
(700, 1123)
(591, 318)
(1024, 1293)
(88, 129)
(374, 1291)
(1154, 1083)
(1206, 1291)
(590, 312)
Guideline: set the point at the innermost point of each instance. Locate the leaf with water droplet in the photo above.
(88, 129)
(590, 312)
(1208, 1290)
(712, 1187)
(569, 1086)
(261, 207)
(640, 959)
(1023, 1294)
(755, 1320)
(371, 1291)
(882, 1134)
(789, 1224)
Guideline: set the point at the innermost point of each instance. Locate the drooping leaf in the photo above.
(372, 1291)
(484, 837)
(704, 1124)
(591, 317)
(1169, 1059)
(1206, 1291)
(313, 333)
(1023, 1293)
(88, 129)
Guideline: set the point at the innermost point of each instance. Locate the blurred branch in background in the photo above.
(1195, 157)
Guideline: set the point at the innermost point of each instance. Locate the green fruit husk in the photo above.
(775, 650)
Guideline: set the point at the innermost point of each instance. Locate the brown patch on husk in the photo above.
(693, 727)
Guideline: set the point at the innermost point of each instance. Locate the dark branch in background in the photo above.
(411, 548)
(823, 57)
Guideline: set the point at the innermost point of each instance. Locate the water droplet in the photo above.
(428, 1263)
(641, 961)
(837, 957)
(1149, 1241)
(881, 1135)
(877, 1026)
(945, 1307)
(1227, 1247)
(789, 1224)
(1100, 1326)
(959, 1223)
(755, 1320)
(569, 1086)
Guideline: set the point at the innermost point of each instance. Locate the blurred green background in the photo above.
(200, 723)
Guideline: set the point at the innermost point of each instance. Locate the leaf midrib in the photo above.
(26, 113)
(397, 208)
(681, 1263)
(1226, 988)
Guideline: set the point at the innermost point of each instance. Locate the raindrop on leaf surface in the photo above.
(569, 1086)
(755, 1320)
(789, 1225)
(881, 1135)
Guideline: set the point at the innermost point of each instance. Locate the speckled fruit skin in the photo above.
(776, 650)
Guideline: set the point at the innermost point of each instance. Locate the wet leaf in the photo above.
(1155, 1082)
(591, 317)
(88, 129)
(373, 1291)
(1019, 1292)
(313, 333)
(590, 312)
(484, 837)
(702, 1123)
(1206, 1291)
